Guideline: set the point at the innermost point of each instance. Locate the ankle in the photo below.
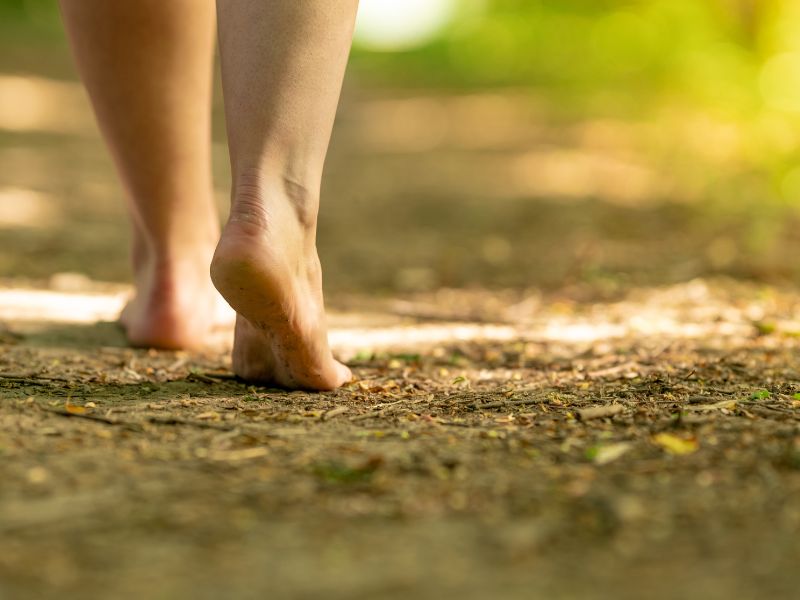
(166, 273)
(260, 197)
(174, 253)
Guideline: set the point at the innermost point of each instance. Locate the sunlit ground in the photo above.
(492, 190)
(713, 312)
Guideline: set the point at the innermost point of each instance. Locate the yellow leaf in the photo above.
(74, 409)
(676, 445)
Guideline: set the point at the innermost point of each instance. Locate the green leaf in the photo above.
(412, 358)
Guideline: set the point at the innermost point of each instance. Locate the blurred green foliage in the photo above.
(29, 20)
(711, 50)
(727, 70)
(714, 85)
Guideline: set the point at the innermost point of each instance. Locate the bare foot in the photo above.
(175, 304)
(266, 267)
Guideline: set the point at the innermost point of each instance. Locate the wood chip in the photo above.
(600, 412)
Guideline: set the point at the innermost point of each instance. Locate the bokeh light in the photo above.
(391, 25)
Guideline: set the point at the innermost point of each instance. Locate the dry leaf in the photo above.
(375, 387)
(74, 409)
(676, 445)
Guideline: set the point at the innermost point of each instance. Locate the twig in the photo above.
(378, 413)
(387, 404)
(784, 411)
(193, 376)
(600, 412)
(133, 426)
(505, 403)
(33, 379)
(221, 376)
(334, 412)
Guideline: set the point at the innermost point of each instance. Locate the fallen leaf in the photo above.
(375, 387)
(602, 455)
(676, 445)
(74, 409)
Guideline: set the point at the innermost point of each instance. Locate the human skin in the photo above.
(147, 67)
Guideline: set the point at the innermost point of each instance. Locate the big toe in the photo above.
(344, 374)
(332, 376)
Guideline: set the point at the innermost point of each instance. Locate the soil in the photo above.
(556, 396)
(624, 466)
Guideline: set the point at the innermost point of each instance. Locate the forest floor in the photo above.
(572, 380)
(645, 447)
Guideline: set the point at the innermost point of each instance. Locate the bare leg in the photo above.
(282, 68)
(147, 65)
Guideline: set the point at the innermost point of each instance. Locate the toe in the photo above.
(344, 374)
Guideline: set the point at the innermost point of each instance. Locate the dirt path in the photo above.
(600, 429)
(582, 451)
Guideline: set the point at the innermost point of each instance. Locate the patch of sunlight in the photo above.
(21, 207)
(353, 340)
(779, 82)
(38, 104)
(470, 121)
(59, 307)
(391, 25)
(639, 326)
(563, 173)
(683, 312)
